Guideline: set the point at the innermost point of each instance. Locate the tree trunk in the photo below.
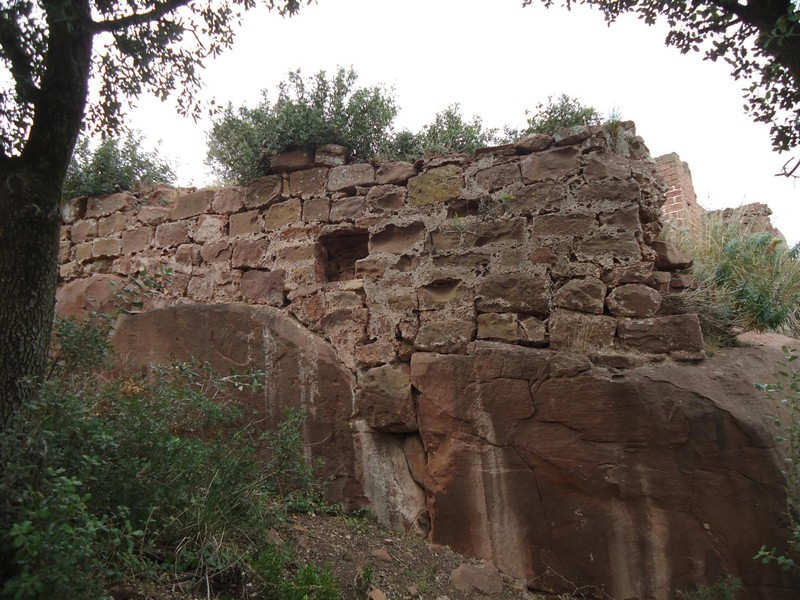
(30, 221)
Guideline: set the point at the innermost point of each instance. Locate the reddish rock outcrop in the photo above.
(639, 484)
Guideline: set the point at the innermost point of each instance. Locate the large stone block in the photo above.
(106, 248)
(397, 239)
(394, 173)
(263, 287)
(580, 332)
(384, 399)
(308, 183)
(563, 225)
(584, 295)
(608, 248)
(386, 197)
(249, 254)
(514, 292)
(108, 226)
(83, 230)
(661, 334)
(246, 223)
(137, 240)
(192, 205)
(347, 177)
(263, 192)
(438, 185)
(285, 213)
(553, 164)
(228, 200)
(172, 234)
(633, 300)
(103, 206)
(448, 336)
(210, 229)
(498, 177)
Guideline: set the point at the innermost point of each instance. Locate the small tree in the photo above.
(114, 165)
(564, 111)
(307, 113)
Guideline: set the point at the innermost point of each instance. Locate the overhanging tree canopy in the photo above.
(759, 39)
(49, 51)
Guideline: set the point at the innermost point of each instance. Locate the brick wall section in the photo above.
(546, 243)
(680, 207)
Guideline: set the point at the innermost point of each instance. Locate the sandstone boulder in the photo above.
(656, 480)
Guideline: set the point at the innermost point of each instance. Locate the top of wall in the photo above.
(550, 242)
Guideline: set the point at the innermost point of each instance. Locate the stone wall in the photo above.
(545, 243)
(680, 207)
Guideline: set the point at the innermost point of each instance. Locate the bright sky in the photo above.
(496, 59)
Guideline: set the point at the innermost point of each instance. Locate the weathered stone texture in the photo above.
(435, 186)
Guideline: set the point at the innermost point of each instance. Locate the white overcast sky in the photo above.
(497, 59)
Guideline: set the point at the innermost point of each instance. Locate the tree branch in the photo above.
(21, 62)
(139, 18)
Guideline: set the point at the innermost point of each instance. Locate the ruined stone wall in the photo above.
(680, 207)
(546, 243)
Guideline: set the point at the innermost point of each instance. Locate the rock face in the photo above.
(480, 347)
(640, 484)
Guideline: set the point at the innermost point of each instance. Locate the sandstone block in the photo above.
(584, 295)
(153, 215)
(498, 177)
(263, 287)
(397, 172)
(330, 155)
(83, 251)
(106, 248)
(499, 326)
(609, 193)
(295, 160)
(316, 209)
(661, 334)
(250, 254)
(246, 223)
(308, 183)
(384, 399)
(227, 201)
(370, 268)
(172, 234)
(397, 239)
(553, 164)
(108, 226)
(535, 331)
(103, 206)
(609, 248)
(602, 166)
(635, 273)
(263, 192)
(563, 225)
(137, 240)
(449, 336)
(438, 185)
(210, 229)
(64, 251)
(484, 579)
(580, 332)
(279, 215)
(386, 197)
(534, 142)
(347, 177)
(633, 300)
(537, 198)
(569, 136)
(347, 209)
(186, 256)
(514, 292)
(73, 210)
(216, 252)
(441, 292)
(670, 258)
(91, 294)
(192, 205)
(83, 230)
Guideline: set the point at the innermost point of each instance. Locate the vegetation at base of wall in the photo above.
(785, 392)
(726, 589)
(146, 475)
(746, 280)
(113, 165)
(310, 112)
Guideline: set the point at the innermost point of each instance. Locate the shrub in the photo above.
(726, 589)
(113, 165)
(563, 111)
(106, 475)
(746, 280)
(307, 113)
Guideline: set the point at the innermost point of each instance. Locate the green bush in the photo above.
(113, 165)
(726, 589)
(747, 281)
(279, 580)
(561, 112)
(307, 113)
(109, 475)
(449, 133)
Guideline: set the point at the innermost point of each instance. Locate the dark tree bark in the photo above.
(30, 211)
